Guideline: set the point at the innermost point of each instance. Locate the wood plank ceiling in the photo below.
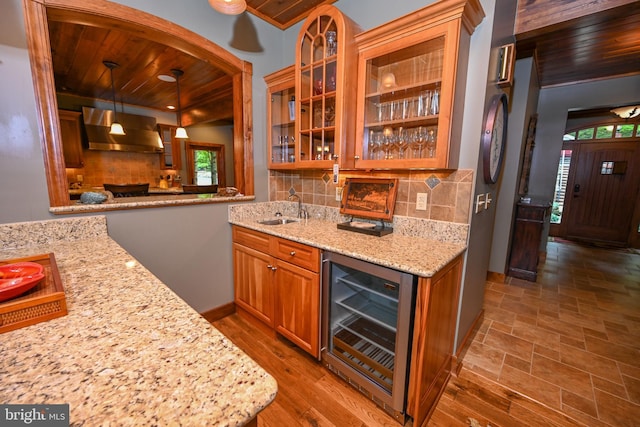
(579, 40)
(570, 49)
(283, 14)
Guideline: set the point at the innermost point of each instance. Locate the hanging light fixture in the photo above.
(627, 112)
(116, 128)
(229, 7)
(180, 131)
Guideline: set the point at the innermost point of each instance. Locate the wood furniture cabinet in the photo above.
(71, 138)
(325, 85)
(281, 113)
(411, 81)
(172, 156)
(278, 281)
(433, 339)
(526, 239)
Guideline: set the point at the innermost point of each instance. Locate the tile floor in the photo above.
(570, 341)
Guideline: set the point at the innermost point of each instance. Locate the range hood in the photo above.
(141, 132)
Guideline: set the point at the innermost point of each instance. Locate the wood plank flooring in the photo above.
(560, 352)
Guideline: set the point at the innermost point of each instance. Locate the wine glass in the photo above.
(387, 142)
(374, 145)
(431, 143)
(402, 142)
(419, 140)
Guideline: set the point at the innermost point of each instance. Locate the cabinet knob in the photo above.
(356, 157)
(292, 253)
(270, 267)
(274, 268)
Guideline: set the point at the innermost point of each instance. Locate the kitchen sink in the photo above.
(277, 221)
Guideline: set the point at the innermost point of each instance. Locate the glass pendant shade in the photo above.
(627, 112)
(116, 129)
(181, 133)
(229, 7)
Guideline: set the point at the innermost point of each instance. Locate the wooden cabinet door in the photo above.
(325, 74)
(433, 339)
(297, 314)
(281, 118)
(71, 140)
(411, 76)
(253, 277)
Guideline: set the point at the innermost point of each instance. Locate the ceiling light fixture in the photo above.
(229, 7)
(181, 132)
(627, 112)
(116, 128)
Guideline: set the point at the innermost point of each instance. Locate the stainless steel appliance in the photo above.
(367, 328)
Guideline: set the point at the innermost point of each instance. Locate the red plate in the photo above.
(18, 278)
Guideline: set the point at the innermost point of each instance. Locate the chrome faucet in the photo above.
(302, 212)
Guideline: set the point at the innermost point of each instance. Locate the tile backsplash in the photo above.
(448, 192)
(118, 168)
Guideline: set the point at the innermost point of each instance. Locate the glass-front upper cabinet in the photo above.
(409, 72)
(281, 118)
(325, 73)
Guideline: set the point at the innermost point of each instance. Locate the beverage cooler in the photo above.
(367, 328)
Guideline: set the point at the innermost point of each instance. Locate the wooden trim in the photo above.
(219, 312)
(37, 30)
(496, 277)
(456, 361)
(106, 13)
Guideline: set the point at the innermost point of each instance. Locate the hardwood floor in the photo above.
(564, 351)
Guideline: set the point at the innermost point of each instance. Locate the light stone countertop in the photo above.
(129, 352)
(417, 247)
(153, 201)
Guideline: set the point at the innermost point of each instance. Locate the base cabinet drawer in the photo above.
(278, 282)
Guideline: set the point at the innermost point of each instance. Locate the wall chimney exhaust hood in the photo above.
(142, 135)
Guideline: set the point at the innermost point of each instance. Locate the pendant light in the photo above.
(627, 112)
(116, 128)
(180, 131)
(229, 7)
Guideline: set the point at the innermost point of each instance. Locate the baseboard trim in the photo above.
(496, 277)
(219, 312)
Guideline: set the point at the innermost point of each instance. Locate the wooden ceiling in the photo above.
(580, 40)
(78, 53)
(281, 13)
(570, 46)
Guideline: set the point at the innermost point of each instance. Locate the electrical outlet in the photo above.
(339, 194)
(421, 202)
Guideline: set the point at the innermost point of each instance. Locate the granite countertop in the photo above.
(151, 201)
(129, 351)
(416, 247)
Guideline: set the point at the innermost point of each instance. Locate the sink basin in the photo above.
(277, 221)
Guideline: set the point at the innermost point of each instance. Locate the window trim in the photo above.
(208, 146)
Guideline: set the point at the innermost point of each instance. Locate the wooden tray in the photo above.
(43, 302)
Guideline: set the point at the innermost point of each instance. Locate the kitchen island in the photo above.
(129, 351)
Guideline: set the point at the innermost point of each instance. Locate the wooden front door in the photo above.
(601, 191)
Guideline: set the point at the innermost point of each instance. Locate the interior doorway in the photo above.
(597, 185)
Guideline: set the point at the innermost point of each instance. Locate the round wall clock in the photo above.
(494, 137)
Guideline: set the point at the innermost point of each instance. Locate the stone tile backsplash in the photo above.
(448, 192)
